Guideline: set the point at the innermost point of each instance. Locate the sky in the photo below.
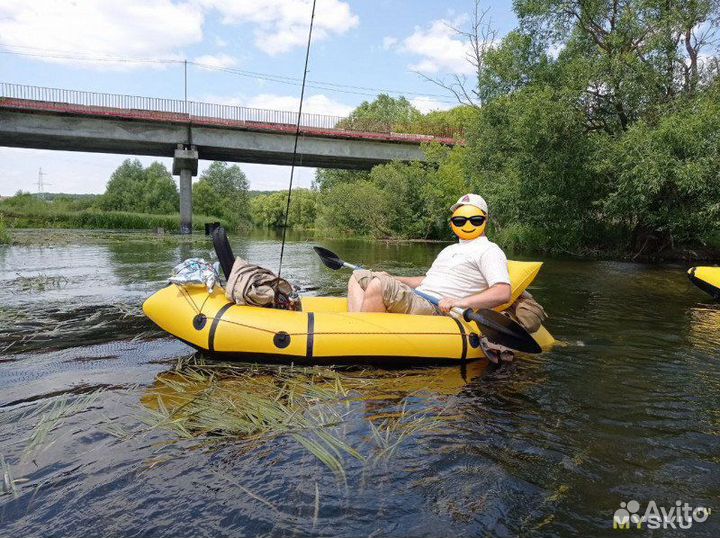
(255, 51)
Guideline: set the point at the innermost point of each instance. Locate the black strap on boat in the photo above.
(294, 154)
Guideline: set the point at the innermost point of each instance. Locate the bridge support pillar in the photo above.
(185, 165)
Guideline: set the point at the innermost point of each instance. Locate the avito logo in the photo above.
(680, 516)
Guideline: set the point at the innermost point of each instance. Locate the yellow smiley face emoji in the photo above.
(468, 222)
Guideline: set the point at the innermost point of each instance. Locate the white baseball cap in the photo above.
(471, 199)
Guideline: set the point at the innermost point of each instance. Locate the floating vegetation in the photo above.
(390, 430)
(250, 404)
(53, 414)
(215, 403)
(59, 326)
(8, 482)
(40, 282)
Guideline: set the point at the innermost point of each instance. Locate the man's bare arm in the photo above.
(490, 298)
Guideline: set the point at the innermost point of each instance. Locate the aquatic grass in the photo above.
(53, 414)
(8, 482)
(48, 217)
(218, 402)
(40, 282)
(390, 430)
(254, 404)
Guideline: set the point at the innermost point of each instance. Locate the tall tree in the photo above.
(222, 190)
(144, 190)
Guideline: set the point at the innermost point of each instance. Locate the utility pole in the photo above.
(41, 183)
(186, 103)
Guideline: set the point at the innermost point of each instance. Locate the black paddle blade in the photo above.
(329, 258)
(223, 250)
(504, 331)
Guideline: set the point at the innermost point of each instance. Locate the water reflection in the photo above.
(704, 327)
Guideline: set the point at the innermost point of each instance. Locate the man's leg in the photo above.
(355, 295)
(373, 300)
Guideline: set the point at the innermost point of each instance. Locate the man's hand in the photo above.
(448, 303)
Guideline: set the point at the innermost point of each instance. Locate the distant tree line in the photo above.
(221, 193)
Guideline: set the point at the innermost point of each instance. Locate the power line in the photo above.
(280, 79)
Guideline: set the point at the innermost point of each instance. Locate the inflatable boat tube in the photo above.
(323, 332)
(707, 279)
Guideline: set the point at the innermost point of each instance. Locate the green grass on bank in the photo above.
(92, 218)
(4, 234)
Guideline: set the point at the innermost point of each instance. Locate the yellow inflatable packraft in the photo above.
(707, 279)
(323, 332)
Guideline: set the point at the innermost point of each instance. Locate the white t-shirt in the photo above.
(466, 268)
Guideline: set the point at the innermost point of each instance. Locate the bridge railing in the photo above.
(173, 106)
(197, 109)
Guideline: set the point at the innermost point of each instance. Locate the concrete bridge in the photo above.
(49, 118)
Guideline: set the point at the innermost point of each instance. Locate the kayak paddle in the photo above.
(498, 329)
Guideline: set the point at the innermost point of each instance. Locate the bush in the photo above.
(144, 190)
(223, 190)
(665, 186)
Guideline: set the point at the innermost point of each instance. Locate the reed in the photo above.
(92, 218)
(40, 282)
(8, 482)
(223, 402)
(217, 402)
(53, 414)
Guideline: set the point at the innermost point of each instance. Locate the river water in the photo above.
(627, 409)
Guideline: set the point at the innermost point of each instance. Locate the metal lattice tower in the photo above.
(41, 183)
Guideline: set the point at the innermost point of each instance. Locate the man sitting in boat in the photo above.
(472, 273)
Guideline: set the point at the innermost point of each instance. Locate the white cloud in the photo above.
(65, 29)
(217, 60)
(389, 42)
(220, 42)
(439, 48)
(283, 24)
(428, 104)
(313, 104)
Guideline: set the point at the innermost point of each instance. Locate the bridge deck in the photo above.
(68, 109)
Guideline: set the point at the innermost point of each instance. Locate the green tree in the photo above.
(326, 178)
(666, 186)
(268, 210)
(222, 190)
(529, 157)
(359, 208)
(144, 190)
(627, 56)
(384, 114)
